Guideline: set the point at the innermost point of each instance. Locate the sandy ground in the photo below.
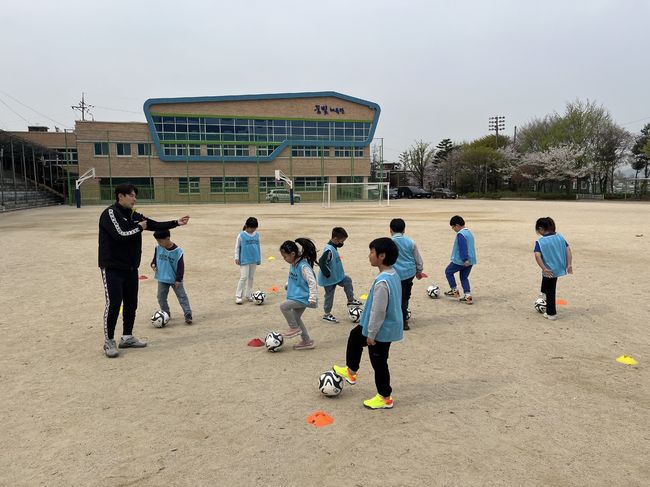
(490, 394)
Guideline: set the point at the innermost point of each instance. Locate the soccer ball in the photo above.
(408, 314)
(540, 305)
(330, 384)
(259, 297)
(354, 313)
(433, 291)
(274, 341)
(159, 319)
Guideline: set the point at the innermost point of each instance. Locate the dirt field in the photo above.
(490, 394)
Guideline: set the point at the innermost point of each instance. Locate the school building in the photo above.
(227, 148)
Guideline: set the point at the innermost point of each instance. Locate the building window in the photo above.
(235, 150)
(191, 185)
(309, 183)
(265, 150)
(182, 150)
(214, 150)
(123, 149)
(215, 129)
(267, 183)
(144, 149)
(302, 151)
(101, 148)
(229, 185)
(347, 153)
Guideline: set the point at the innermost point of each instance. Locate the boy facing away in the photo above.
(332, 274)
(553, 255)
(381, 324)
(169, 266)
(409, 263)
(463, 258)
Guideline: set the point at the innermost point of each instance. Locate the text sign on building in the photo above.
(324, 110)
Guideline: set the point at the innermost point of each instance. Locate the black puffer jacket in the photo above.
(120, 237)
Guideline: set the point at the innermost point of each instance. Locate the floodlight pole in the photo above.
(495, 124)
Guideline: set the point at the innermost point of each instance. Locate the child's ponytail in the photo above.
(308, 251)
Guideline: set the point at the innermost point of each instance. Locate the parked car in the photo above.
(444, 193)
(412, 192)
(277, 195)
(392, 193)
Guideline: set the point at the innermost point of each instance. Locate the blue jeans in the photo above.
(464, 276)
(183, 300)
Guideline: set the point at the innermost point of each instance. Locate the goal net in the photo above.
(376, 193)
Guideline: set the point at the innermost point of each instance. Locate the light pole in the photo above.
(494, 124)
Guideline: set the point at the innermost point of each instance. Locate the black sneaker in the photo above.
(330, 318)
(355, 302)
(188, 320)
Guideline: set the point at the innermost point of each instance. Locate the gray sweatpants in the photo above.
(346, 284)
(292, 311)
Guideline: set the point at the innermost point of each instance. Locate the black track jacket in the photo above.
(120, 237)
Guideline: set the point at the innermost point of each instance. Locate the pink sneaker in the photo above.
(291, 332)
(303, 345)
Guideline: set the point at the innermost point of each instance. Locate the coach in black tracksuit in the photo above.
(120, 249)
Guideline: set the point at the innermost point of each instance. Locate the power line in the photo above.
(33, 110)
(635, 121)
(14, 111)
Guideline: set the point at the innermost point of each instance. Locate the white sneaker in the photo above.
(238, 300)
(550, 317)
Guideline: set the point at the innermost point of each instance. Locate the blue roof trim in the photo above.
(273, 96)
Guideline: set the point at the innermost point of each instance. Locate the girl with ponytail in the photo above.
(302, 288)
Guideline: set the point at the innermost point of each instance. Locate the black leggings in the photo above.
(378, 354)
(120, 287)
(407, 285)
(548, 287)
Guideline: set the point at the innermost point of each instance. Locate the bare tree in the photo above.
(416, 159)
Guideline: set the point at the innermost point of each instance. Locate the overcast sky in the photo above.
(437, 68)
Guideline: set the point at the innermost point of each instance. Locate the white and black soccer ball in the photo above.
(354, 313)
(274, 341)
(160, 318)
(540, 305)
(259, 297)
(433, 291)
(330, 384)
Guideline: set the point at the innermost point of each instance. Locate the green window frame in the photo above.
(309, 183)
(190, 185)
(232, 184)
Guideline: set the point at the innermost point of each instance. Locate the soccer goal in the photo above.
(356, 192)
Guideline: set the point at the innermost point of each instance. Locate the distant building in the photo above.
(225, 148)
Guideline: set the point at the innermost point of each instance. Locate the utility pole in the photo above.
(494, 124)
(83, 107)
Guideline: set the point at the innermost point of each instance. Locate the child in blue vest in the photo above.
(381, 324)
(332, 274)
(247, 256)
(169, 266)
(302, 290)
(409, 263)
(463, 258)
(553, 256)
